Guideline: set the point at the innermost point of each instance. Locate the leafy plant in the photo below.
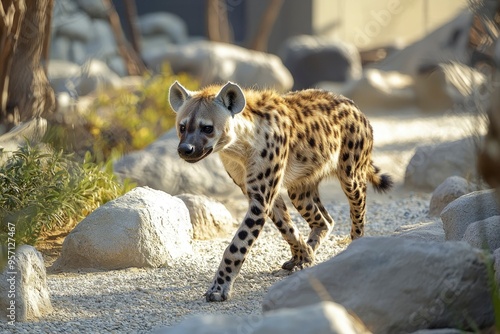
(45, 190)
(123, 120)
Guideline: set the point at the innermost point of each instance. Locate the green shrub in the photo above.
(43, 191)
(121, 121)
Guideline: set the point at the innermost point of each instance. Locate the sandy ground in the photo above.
(140, 300)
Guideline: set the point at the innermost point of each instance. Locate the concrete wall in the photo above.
(366, 23)
(372, 23)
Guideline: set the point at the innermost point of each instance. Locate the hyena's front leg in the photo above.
(236, 252)
(261, 191)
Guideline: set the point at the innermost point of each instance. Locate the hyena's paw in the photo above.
(302, 259)
(218, 292)
(295, 264)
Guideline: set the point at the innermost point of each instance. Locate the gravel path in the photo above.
(140, 300)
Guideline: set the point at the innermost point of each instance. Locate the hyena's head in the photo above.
(205, 118)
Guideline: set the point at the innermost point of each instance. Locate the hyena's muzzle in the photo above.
(192, 148)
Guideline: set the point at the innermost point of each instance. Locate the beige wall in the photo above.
(372, 23)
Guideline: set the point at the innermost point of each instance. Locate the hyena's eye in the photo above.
(207, 129)
(182, 128)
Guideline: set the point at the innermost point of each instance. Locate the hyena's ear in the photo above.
(178, 94)
(231, 96)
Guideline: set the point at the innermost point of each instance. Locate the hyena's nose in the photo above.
(185, 150)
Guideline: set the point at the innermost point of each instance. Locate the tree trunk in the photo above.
(11, 16)
(218, 29)
(29, 93)
(261, 38)
(133, 62)
(131, 16)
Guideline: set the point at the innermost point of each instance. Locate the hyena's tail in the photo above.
(381, 182)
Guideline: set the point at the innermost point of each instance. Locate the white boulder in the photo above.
(212, 62)
(143, 228)
(24, 294)
(210, 219)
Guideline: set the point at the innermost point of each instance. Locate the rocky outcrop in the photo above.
(321, 318)
(467, 209)
(484, 234)
(397, 285)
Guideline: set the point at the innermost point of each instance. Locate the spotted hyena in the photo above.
(267, 142)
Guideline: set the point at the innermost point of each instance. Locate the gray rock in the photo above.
(484, 234)
(83, 80)
(321, 318)
(210, 219)
(164, 24)
(60, 48)
(61, 8)
(159, 166)
(313, 59)
(95, 75)
(23, 286)
(448, 42)
(496, 257)
(78, 52)
(212, 62)
(448, 191)
(466, 210)
(377, 91)
(154, 47)
(59, 72)
(397, 285)
(77, 26)
(31, 131)
(143, 228)
(441, 331)
(117, 65)
(431, 165)
(93, 8)
(444, 88)
(432, 231)
(104, 43)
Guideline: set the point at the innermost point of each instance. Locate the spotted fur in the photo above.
(268, 141)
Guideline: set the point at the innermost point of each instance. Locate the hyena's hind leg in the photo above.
(354, 184)
(306, 200)
(302, 254)
(354, 188)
